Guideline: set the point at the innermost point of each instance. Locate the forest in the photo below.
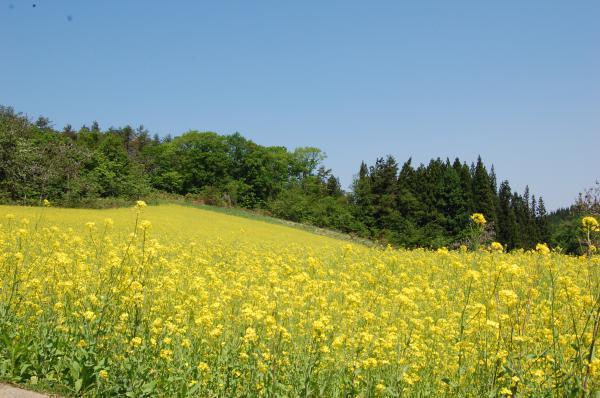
(408, 205)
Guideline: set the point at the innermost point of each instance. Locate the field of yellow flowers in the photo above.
(178, 301)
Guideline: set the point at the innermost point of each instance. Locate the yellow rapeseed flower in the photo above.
(203, 367)
(89, 315)
(478, 219)
(253, 298)
(542, 248)
(589, 222)
(496, 246)
(250, 336)
(166, 354)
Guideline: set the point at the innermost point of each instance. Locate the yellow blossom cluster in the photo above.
(478, 219)
(199, 303)
(496, 246)
(591, 223)
(542, 248)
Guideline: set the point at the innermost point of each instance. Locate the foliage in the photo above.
(430, 205)
(409, 205)
(566, 225)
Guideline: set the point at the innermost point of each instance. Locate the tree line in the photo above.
(408, 205)
(430, 204)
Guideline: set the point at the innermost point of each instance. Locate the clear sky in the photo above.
(515, 81)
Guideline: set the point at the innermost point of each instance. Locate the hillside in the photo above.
(404, 204)
(201, 303)
(170, 223)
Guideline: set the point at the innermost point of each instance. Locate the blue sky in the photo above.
(517, 82)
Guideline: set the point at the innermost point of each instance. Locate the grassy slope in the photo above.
(172, 217)
(171, 221)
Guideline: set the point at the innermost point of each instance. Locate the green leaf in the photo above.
(24, 368)
(75, 368)
(78, 385)
(148, 387)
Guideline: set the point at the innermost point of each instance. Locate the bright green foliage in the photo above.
(413, 206)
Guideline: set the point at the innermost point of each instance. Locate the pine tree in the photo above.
(542, 221)
(362, 198)
(333, 186)
(526, 198)
(432, 192)
(493, 181)
(520, 209)
(532, 226)
(456, 209)
(483, 195)
(466, 183)
(494, 189)
(383, 183)
(507, 226)
(409, 206)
